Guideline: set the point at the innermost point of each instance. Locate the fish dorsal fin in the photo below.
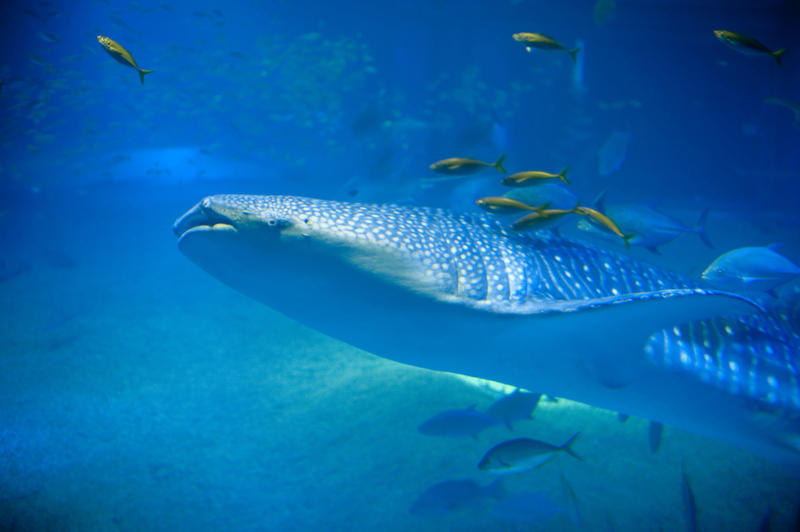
(599, 202)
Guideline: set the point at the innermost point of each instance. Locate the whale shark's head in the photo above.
(263, 245)
(230, 214)
(277, 225)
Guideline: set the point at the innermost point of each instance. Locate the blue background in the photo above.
(138, 393)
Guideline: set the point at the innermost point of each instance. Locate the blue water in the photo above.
(139, 393)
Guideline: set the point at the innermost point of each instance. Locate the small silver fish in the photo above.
(118, 52)
(451, 495)
(523, 454)
(753, 268)
(457, 423)
(531, 177)
(555, 194)
(747, 45)
(543, 42)
(518, 405)
(461, 166)
(613, 152)
(504, 205)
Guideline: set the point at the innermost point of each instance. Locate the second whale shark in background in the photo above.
(613, 152)
(461, 293)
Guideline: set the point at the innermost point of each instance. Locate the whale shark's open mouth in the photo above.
(202, 217)
(218, 215)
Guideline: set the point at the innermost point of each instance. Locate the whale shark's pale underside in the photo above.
(460, 293)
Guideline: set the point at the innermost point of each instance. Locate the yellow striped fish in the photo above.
(118, 52)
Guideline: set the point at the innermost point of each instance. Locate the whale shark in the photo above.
(462, 293)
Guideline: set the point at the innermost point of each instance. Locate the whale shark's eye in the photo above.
(276, 222)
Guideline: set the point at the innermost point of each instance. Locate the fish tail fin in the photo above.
(497, 489)
(499, 163)
(777, 54)
(627, 238)
(142, 72)
(574, 54)
(701, 229)
(568, 446)
(562, 175)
